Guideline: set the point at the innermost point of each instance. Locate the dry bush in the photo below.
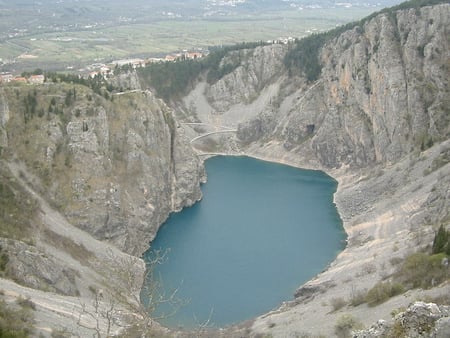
(382, 291)
(337, 303)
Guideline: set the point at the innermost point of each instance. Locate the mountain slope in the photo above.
(377, 119)
(88, 179)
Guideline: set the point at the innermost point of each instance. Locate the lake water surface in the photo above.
(261, 230)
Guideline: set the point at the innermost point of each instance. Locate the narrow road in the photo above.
(213, 132)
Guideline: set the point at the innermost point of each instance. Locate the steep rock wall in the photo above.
(115, 169)
(257, 68)
(377, 120)
(383, 93)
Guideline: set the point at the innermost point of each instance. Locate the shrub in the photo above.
(382, 291)
(15, 322)
(441, 241)
(26, 303)
(345, 324)
(358, 297)
(422, 270)
(395, 260)
(337, 303)
(4, 259)
(17, 211)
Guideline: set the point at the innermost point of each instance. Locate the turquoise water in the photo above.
(261, 230)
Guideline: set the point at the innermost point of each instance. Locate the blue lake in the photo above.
(261, 230)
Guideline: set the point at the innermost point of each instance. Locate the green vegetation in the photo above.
(419, 270)
(16, 320)
(18, 210)
(422, 270)
(4, 259)
(337, 303)
(100, 33)
(345, 324)
(383, 291)
(441, 242)
(37, 71)
(303, 57)
(30, 103)
(172, 79)
(98, 84)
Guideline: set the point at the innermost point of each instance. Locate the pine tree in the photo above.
(440, 243)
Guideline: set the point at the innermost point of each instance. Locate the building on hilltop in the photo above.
(193, 55)
(20, 79)
(6, 77)
(36, 79)
(135, 63)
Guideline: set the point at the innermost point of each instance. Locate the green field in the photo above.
(58, 50)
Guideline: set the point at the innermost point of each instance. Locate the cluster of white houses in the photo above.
(32, 79)
(104, 70)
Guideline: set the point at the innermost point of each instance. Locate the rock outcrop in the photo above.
(420, 319)
(383, 93)
(257, 68)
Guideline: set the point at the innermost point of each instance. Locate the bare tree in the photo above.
(92, 318)
(121, 305)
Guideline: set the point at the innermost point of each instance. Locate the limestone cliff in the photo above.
(83, 181)
(376, 119)
(258, 68)
(383, 93)
(114, 169)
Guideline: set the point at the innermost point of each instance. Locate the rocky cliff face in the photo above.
(115, 169)
(257, 68)
(395, 63)
(377, 120)
(383, 93)
(84, 181)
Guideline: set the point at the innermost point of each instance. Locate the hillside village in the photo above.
(104, 69)
(32, 79)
